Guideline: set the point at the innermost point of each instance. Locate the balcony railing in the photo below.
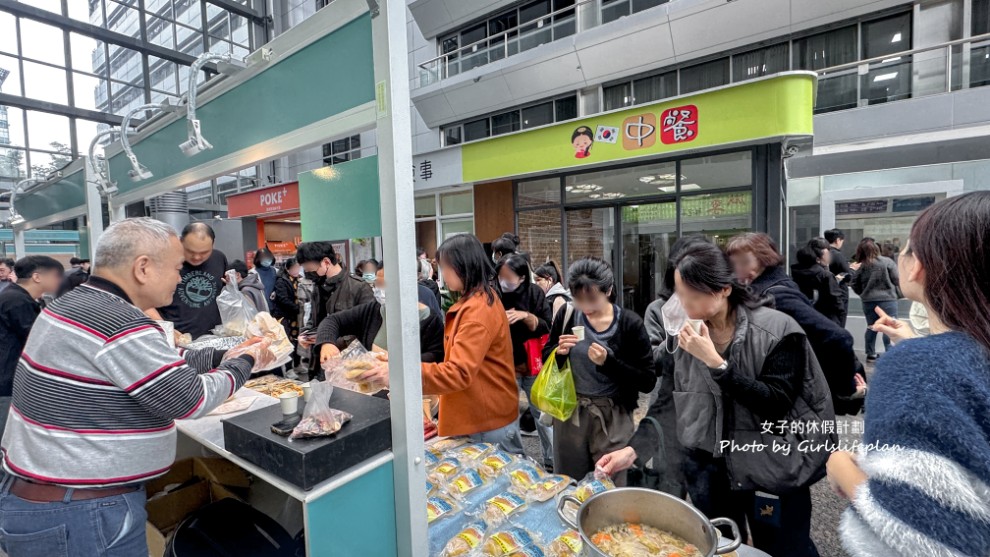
(920, 72)
(545, 29)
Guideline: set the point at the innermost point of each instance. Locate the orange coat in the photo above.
(477, 380)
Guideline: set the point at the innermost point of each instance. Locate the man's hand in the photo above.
(328, 352)
(897, 330)
(377, 376)
(565, 344)
(618, 461)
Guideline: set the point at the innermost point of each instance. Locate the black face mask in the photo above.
(315, 277)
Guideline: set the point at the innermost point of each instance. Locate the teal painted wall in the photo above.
(67, 193)
(329, 76)
(356, 519)
(341, 202)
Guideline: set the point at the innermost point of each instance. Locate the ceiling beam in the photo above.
(52, 108)
(239, 9)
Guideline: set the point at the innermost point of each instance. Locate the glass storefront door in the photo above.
(590, 232)
(648, 232)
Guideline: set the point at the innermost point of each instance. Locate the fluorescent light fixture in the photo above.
(686, 187)
(583, 188)
(885, 77)
(196, 143)
(896, 39)
(888, 60)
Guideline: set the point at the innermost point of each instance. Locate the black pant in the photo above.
(784, 531)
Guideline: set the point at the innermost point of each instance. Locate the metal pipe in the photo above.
(196, 143)
(138, 171)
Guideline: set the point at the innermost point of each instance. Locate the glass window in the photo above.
(618, 96)
(48, 132)
(8, 33)
(824, 50)
(452, 135)
(613, 184)
(640, 5)
(42, 42)
(981, 17)
(13, 164)
(540, 30)
(590, 232)
(90, 92)
(717, 216)
(507, 122)
(566, 108)
(451, 228)
(86, 130)
(614, 9)
(545, 191)
(479, 129)
(161, 32)
(426, 206)
(45, 83)
(478, 54)
(84, 52)
(654, 88)
(539, 233)
(761, 62)
(705, 76)
(11, 84)
(457, 203)
(717, 171)
(539, 115)
(887, 36)
(15, 129)
(80, 11)
(890, 80)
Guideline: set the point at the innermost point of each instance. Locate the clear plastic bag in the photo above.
(467, 540)
(342, 370)
(318, 419)
(236, 312)
(265, 326)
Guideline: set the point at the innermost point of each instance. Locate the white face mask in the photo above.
(674, 316)
(507, 286)
(380, 296)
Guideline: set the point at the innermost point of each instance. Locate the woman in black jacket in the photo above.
(285, 302)
(529, 320)
(612, 364)
(812, 275)
(759, 264)
(366, 323)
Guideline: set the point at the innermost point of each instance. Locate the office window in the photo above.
(451, 135)
(889, 80)
(617, 96)
(705, 76)
(506, 122)
(478, 129)
(654, 88)
(525, 117)
(761, 62)
(342, 150)
(826, 50)
(565, 109)
(538, 115)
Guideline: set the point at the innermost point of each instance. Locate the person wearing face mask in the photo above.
(529, 319)
(334, 288)
(612, 365)
(367, 270)
(264, 265)
(742, 367)
(285, 302)
(367, 323)
(813, 277)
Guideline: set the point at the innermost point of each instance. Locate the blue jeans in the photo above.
(106, 527)
(505, 437)
(869, 308)
(545, 431)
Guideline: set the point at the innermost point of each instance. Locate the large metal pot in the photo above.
(652, 508)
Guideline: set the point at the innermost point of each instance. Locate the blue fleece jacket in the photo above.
(926, 451)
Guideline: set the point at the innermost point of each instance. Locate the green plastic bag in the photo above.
(553, 392)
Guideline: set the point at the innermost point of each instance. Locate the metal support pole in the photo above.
(94, 211)
(399, 248)
(19, 249)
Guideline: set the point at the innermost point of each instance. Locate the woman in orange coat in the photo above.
(476, 381)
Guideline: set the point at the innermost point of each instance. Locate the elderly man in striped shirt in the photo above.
(96, 393)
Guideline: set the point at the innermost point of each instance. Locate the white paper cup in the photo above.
(289, 402)
(579, 332)
(695, 324)
(307, 391)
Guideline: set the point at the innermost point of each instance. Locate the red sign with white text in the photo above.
(283, 198)
(679, 125)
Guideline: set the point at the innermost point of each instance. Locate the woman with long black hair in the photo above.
(612, 363)
(529, 321)
(476, 380)
(920, 485)
(741, 367)
(878, 284)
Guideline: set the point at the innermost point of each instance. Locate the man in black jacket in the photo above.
(839, 266)
(336, 290)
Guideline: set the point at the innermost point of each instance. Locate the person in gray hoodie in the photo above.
(878, 284)
(249, 283)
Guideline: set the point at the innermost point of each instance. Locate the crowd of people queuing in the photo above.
(732, 343)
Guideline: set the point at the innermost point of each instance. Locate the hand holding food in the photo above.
(565, 344)
(597, 354)
(327, 352)
(618, 461)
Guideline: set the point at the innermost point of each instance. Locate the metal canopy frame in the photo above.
(390, 114)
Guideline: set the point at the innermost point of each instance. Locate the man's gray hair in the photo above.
(425, 270)
(123, 242)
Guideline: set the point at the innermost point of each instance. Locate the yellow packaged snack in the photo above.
(549, 487)
(473, 452)
(529, 551)
(501, 507)
(526, 476)
(465, 483)
(507, 542)
(494, 464)
(439, 507)
(567, 544)
(590, 487)
(445, 445)
(466, 541)
(445, 469)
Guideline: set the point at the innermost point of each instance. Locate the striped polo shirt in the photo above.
(97, 390)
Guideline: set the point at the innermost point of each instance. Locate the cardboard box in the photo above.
(193, 483)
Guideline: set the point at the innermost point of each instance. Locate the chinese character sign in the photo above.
(679, 125)
(638, 132)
